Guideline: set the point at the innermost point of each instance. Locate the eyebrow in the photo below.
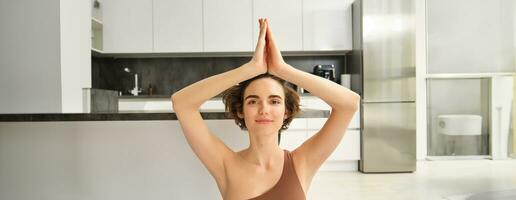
(257, 97)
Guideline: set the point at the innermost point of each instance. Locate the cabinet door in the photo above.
(294, 136)
(291, 139)
(178, 26)
(349, 146)
(327, 25)
(285, 18)
(127, 26)
(228, 25)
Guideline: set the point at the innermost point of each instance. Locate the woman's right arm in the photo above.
(187, 101)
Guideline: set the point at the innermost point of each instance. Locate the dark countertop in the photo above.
(133, 116)
(168, 96)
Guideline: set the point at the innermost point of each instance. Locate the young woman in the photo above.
(263, 106)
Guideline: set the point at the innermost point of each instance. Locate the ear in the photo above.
(240, 115)
(286, 115)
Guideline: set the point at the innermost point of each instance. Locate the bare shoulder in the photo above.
(235, 170)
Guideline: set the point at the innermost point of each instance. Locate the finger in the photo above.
(260, 46)
(271, 44)
(270, 38)
(263, 29)
(269, 31)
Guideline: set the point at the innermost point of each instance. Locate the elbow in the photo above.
(352, 102)
(173, 97)
(181, 102)
(355, 101)
(176, 100)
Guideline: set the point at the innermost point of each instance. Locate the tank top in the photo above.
(288, 186)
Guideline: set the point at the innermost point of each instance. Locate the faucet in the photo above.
(135, 90)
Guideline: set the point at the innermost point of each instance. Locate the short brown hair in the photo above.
(233, 99)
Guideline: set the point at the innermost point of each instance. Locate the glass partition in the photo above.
(470, 65)
(458, 116)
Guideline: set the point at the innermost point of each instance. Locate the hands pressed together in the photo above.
(267, 57)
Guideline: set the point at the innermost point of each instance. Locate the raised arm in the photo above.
(344, 102)
(186, 102)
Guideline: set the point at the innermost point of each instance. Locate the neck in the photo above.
(263, 148)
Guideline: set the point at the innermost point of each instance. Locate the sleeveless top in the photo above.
(288, 186)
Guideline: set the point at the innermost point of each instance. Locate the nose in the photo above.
(264, 109)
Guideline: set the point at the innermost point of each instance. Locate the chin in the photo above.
(266, 130)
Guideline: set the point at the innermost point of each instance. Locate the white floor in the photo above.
(435, 180)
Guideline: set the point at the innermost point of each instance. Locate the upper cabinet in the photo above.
(285, 19)
(178, 26)
(186, 26)
(327, 25)
(228, 25)
(127, 26)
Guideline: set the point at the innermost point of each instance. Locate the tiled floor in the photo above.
(433, 180)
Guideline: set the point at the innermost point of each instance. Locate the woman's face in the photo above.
(264, 106)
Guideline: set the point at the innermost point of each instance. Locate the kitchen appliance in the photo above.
(325, 71)
(382, 65)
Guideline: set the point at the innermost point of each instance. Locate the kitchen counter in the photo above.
(306, 94)
(208, 114)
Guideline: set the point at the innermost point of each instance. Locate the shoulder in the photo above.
(229, 165)
(234, 170)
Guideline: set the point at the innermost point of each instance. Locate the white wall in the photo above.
(75, 53)
(29, 56)
(45, 56)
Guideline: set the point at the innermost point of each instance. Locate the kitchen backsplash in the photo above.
(167, 75)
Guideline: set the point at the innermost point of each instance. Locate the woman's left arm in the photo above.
(335, 95)
(344, 103)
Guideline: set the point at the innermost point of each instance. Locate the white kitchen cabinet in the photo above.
(285, 19)
(178, 26)
(295, 135)
(355, 121)
(228, 25)
(127, 26)
(348, 148)
(291, 139)
(327, 25)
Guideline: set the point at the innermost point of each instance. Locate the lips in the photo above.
(263, 121)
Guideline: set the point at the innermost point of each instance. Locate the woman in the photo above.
(263, 170)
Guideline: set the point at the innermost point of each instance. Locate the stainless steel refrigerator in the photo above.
(382, 65)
